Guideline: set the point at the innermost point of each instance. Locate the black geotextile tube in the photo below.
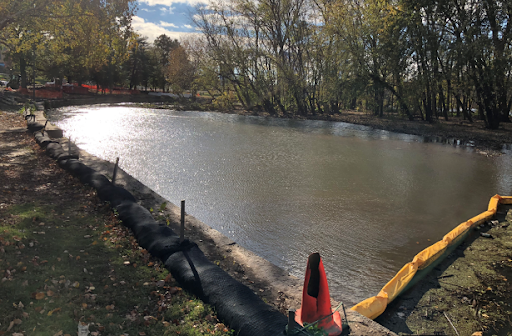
(235, 303)
(54, 150)
(34, 126)
(42, 139)
(159, 239)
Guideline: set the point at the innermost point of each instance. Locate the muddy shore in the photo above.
(455, 132)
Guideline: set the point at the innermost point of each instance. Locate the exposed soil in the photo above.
(470, 291)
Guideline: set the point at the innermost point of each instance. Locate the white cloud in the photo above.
(167, 10)
(167, 24)
(152, 30)
(147, 10)
(188, 26)
(171, 2)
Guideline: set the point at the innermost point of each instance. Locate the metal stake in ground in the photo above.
(115, 171)
(182, 227)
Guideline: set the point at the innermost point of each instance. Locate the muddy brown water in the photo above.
(367, 200)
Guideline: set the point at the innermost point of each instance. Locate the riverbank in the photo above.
(272, 284)
(469, 293)
(456, 131)
(66, 261)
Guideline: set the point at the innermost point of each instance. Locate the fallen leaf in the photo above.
(84, 305)
(60, 333)
(76, 284)
(38, 295)
(17, 321)
(10, 326)
(77, 258)
(110, 307)
(50, 293)
(50, 313)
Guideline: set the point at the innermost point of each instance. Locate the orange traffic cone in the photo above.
(316, 301)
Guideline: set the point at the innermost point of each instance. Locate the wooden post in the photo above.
(115, 171)
(182, 227)
(69, 146)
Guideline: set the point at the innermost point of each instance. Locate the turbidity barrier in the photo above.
(425, 261)
(236, 304)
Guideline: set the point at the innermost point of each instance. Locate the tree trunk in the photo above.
(23, 72)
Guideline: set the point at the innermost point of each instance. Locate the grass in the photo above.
(65, 266)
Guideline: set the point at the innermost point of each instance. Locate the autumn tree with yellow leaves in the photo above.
(76, 39)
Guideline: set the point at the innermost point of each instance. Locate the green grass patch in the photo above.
(65, 267)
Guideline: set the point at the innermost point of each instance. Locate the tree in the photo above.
(76, 37)
(180, 72)
(163, 46)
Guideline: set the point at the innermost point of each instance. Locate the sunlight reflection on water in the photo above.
(367, 200)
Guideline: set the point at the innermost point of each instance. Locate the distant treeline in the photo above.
(423, 59)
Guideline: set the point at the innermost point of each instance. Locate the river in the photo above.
(367, 200)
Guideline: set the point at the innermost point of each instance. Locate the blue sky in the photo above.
(170, 17)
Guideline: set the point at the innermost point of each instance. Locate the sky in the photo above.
(170, 17)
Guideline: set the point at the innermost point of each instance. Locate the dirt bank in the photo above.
(456, 131)
(469, 292)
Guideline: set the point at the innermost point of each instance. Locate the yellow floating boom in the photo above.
(414, 270)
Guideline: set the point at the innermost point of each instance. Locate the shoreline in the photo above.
(455, 132)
